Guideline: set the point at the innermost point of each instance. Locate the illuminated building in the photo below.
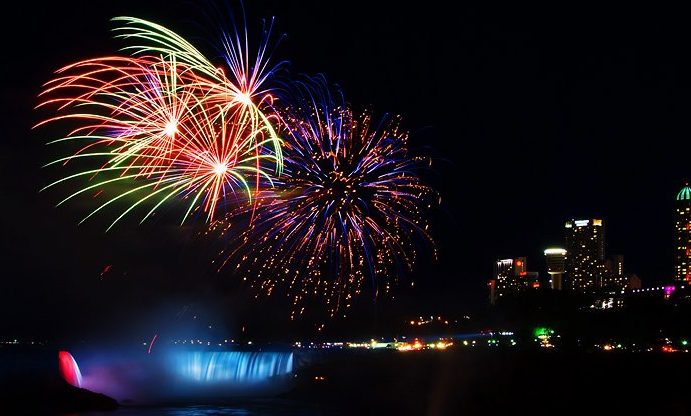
(532, 280)
(508, 278)
(682, 228)
(618, 265)
(608, 302)
(556, 258)
(585, 247)
(615, 277)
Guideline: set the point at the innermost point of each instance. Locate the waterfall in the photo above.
(173, 374)
(232, 367)
(69, 369)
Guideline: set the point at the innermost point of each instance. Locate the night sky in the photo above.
(532, 116)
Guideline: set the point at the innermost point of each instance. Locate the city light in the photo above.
(669, 348)
(416, 345)
(669, 290)
(544, 335)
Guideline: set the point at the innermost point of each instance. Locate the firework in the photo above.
(349, 208)
(241, 93)
(165, 124)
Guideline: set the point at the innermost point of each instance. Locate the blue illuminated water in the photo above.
(233, 367)
(170, 375)
(273, 407)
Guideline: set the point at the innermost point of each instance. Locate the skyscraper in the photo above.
(682, 228)
(556, 258)
(615, 273)
(507, 279)
(585, 247)
(618, 265)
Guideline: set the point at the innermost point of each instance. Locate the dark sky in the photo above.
(533, 116)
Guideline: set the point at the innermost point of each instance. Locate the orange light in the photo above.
(519, 263)
(442, 345)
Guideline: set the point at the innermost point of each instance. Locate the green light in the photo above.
(684, 194)
(542, 332)
(684, 342)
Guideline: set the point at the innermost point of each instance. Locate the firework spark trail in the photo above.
(167, 124)
(242, 93)
(349, 206)
(164, 124)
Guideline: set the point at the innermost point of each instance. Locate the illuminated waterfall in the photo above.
(232, 367)
(69, 369)
(174, 375)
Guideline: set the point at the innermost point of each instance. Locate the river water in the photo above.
(268, 407)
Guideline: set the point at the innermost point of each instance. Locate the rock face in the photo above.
(30, 383)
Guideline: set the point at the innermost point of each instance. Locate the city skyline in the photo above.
(583, 266)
